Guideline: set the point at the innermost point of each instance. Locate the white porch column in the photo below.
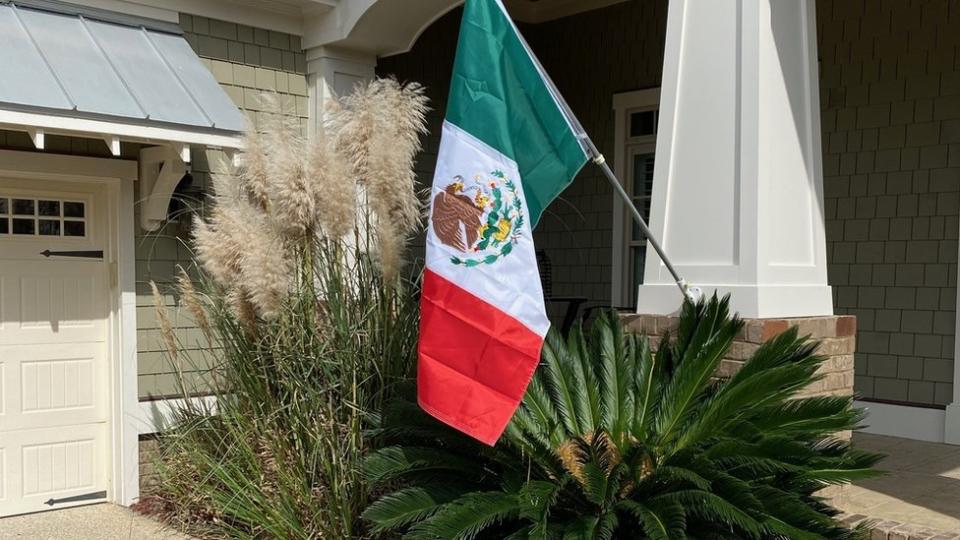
(334, 71)
(738, 189)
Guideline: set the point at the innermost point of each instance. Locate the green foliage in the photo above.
(306, 320)
(616, 441)
(280, 456)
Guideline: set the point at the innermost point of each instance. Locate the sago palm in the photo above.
(614, 440)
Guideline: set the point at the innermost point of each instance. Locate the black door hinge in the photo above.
(78, 254)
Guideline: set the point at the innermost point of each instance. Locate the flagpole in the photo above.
(694, 294)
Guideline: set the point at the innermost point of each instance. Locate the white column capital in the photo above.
(334, 71)
(738, 188)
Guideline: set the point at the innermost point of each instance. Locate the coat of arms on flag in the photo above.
(482, 218)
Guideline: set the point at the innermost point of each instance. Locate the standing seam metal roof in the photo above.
(69, 64)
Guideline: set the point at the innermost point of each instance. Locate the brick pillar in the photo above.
(836, 334)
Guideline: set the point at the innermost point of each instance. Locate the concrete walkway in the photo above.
(94, 522)
(921, 488)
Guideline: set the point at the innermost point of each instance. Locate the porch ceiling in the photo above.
(537, 11)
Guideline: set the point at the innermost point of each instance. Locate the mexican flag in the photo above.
(509, 146)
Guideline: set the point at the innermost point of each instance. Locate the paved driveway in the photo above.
(94, 522)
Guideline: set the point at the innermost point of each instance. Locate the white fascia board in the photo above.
(19, 163)
(101, 129)
(279, 17)
(148, 10)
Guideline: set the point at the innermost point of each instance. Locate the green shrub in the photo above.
(307, 319)
(615, 441)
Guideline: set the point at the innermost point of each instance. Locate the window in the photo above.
(27, 216)
(641, 178)
(637, 121)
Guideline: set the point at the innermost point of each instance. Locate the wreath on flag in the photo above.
(482, 219)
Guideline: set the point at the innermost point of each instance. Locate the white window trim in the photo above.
(624, 104)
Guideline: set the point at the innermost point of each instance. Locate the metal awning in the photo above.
(94, 73)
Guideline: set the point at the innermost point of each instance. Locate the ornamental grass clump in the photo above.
(616, 441)
(306, 317)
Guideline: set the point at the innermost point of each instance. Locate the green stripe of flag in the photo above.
(498, 95)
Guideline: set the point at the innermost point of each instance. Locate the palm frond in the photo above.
(708, 341)
(393, 462)
(538, 402)
(712, 507)
(466, 517)
(582, 363)
(408, 505)
(647, 393)
(616, 358)
(581, 528)
(811, 417)
(666, 522)
(562, 382)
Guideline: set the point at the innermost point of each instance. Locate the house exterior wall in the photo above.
(890, 99)
(247, 62)
(890, 93)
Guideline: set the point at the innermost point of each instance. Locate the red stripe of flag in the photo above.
(475, 360)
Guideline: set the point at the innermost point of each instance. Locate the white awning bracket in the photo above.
(161, 169)
(233, 156)
(36, 135)
(113, 143)
(184, 151)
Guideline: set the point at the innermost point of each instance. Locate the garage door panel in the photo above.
(53, 385)
(60, 467)
(51, 301)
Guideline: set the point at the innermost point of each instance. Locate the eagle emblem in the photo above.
(482, 219)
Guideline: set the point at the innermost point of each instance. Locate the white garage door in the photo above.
(54, 353)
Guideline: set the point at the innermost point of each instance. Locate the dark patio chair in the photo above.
(573, 303)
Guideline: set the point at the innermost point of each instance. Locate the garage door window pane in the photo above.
(4, 206)
(49, 227)
(4, 226)
(23, 226)
(23, 207)
(74, 228)
(73, 209)
(49, 208)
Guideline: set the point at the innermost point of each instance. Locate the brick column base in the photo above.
(836, 334)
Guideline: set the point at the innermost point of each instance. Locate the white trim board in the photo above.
(623, 104)
(156, 415)
(918, 423)
(102, 129)
(24, 164)
(952, 416)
